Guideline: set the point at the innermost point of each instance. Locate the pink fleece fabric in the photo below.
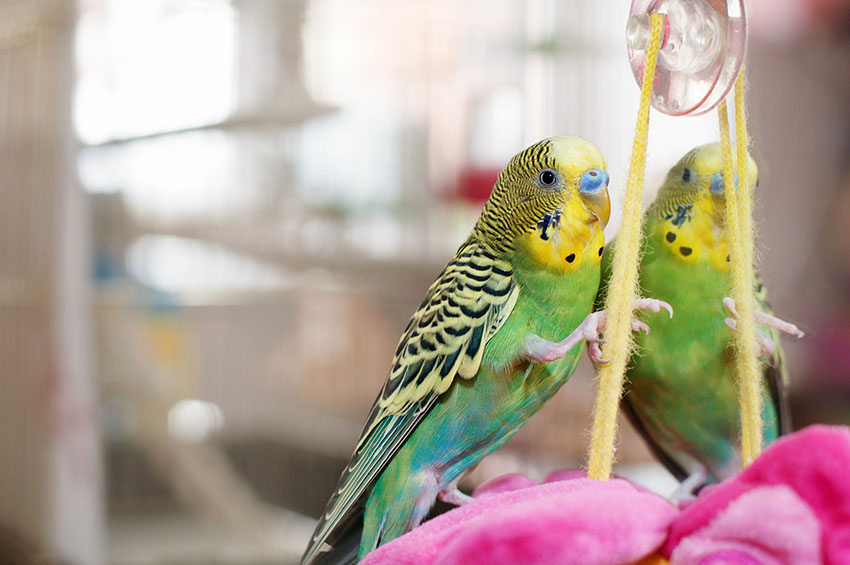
(514, 520)
(792, 505)
(768, 525)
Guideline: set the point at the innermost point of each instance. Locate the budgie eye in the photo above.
(687, 174)
(717, 184)
(548, 177)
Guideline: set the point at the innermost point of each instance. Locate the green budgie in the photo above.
(681, 392)
(485, 349)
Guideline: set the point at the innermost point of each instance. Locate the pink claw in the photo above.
(652, 304)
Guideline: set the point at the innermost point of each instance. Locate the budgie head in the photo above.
(687, 218)
(561, 175)
(697, 181)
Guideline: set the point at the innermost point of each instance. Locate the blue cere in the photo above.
(593, 180)
(717, 183)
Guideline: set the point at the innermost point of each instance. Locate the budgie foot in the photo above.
(452, 495)
(653, 305)
(689, 486)
(767, 345)
(542, 350)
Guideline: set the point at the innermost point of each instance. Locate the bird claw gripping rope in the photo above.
(686, 56)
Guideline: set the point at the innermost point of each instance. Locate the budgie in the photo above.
(500, 330)
(681, 392)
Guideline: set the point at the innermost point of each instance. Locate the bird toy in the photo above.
(687, 55)
(503, 326)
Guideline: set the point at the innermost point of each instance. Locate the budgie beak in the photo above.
(593, 191)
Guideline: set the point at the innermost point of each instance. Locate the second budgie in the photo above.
(499, 332)
(681, 392)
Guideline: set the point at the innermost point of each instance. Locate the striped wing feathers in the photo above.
(446, 335)
(445, 338)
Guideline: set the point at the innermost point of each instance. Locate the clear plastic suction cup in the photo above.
(701, 51)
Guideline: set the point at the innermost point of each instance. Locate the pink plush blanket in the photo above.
(792, 505)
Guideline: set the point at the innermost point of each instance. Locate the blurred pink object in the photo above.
(504, 483)
(515, 520)
(779, 20)
(791, 20)
(792, 505)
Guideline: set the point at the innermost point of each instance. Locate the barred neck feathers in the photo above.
(523, 203)
(681, 188)
(510, 210)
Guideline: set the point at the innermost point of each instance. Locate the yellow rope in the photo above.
(739, 229)
(623, 284)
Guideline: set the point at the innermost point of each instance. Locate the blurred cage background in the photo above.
(218, 215)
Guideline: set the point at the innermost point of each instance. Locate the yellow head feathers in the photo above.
(696, 176)
(540, 181)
